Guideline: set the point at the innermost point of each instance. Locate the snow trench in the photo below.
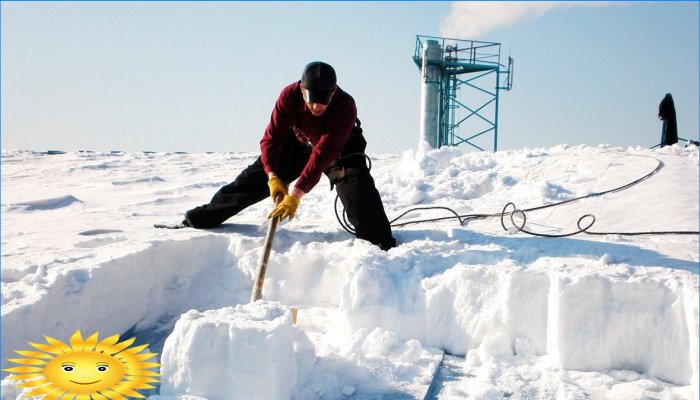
(141, 290)
(618, 318)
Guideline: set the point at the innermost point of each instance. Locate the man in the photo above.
(313, 130)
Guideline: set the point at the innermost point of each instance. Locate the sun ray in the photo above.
(143, 357)
(127, 391)
(127, 359)
(27, 361)
(76, 341)
(53, 395)
(23, 370)
(132, 359)
(91, 341)
(147, 365)
(143, 386)
(58, 345)
(33, 354)
(144, 379)
(107, 343)
(135, 349)
(44, 390)
(146, 372)
(33, 383)
(45, 348)
(114, 349)
(139, 382)
(23, 377)
(112, 395)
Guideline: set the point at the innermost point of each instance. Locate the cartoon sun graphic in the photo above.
(85, 369)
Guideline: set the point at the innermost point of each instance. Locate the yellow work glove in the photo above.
(286, 208)
(277, 187)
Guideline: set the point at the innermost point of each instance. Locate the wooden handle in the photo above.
(267, 249)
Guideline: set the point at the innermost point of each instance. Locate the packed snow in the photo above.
(455, 311)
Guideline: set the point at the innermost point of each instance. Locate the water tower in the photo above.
(461, 80)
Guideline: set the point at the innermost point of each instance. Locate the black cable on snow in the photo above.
(515, 213)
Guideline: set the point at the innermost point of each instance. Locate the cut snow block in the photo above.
(600, 323)
(242, 352)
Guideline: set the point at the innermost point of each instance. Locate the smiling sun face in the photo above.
(82, 372)
(85, 369)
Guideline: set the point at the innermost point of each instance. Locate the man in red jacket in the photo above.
(313, 130)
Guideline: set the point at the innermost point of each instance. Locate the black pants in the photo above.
(356, 190)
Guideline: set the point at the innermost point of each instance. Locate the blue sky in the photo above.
(186, 76)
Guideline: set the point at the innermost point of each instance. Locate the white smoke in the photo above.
(472, 19)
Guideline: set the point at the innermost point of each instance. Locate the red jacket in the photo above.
(327, 133)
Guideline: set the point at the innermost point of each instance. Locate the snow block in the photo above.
(242, 352)
(597, 323)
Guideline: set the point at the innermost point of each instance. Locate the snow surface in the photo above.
(453, 312)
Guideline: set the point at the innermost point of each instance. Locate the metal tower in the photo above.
(448, 65)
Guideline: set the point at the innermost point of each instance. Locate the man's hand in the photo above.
(277, 187)
(286, 208)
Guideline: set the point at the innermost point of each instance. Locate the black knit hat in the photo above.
(319, 81)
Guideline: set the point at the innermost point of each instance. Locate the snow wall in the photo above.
(600, 317)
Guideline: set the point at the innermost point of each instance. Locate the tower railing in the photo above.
(476, 67)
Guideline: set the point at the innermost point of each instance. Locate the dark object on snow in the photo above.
(181, 225)
(667, 113)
